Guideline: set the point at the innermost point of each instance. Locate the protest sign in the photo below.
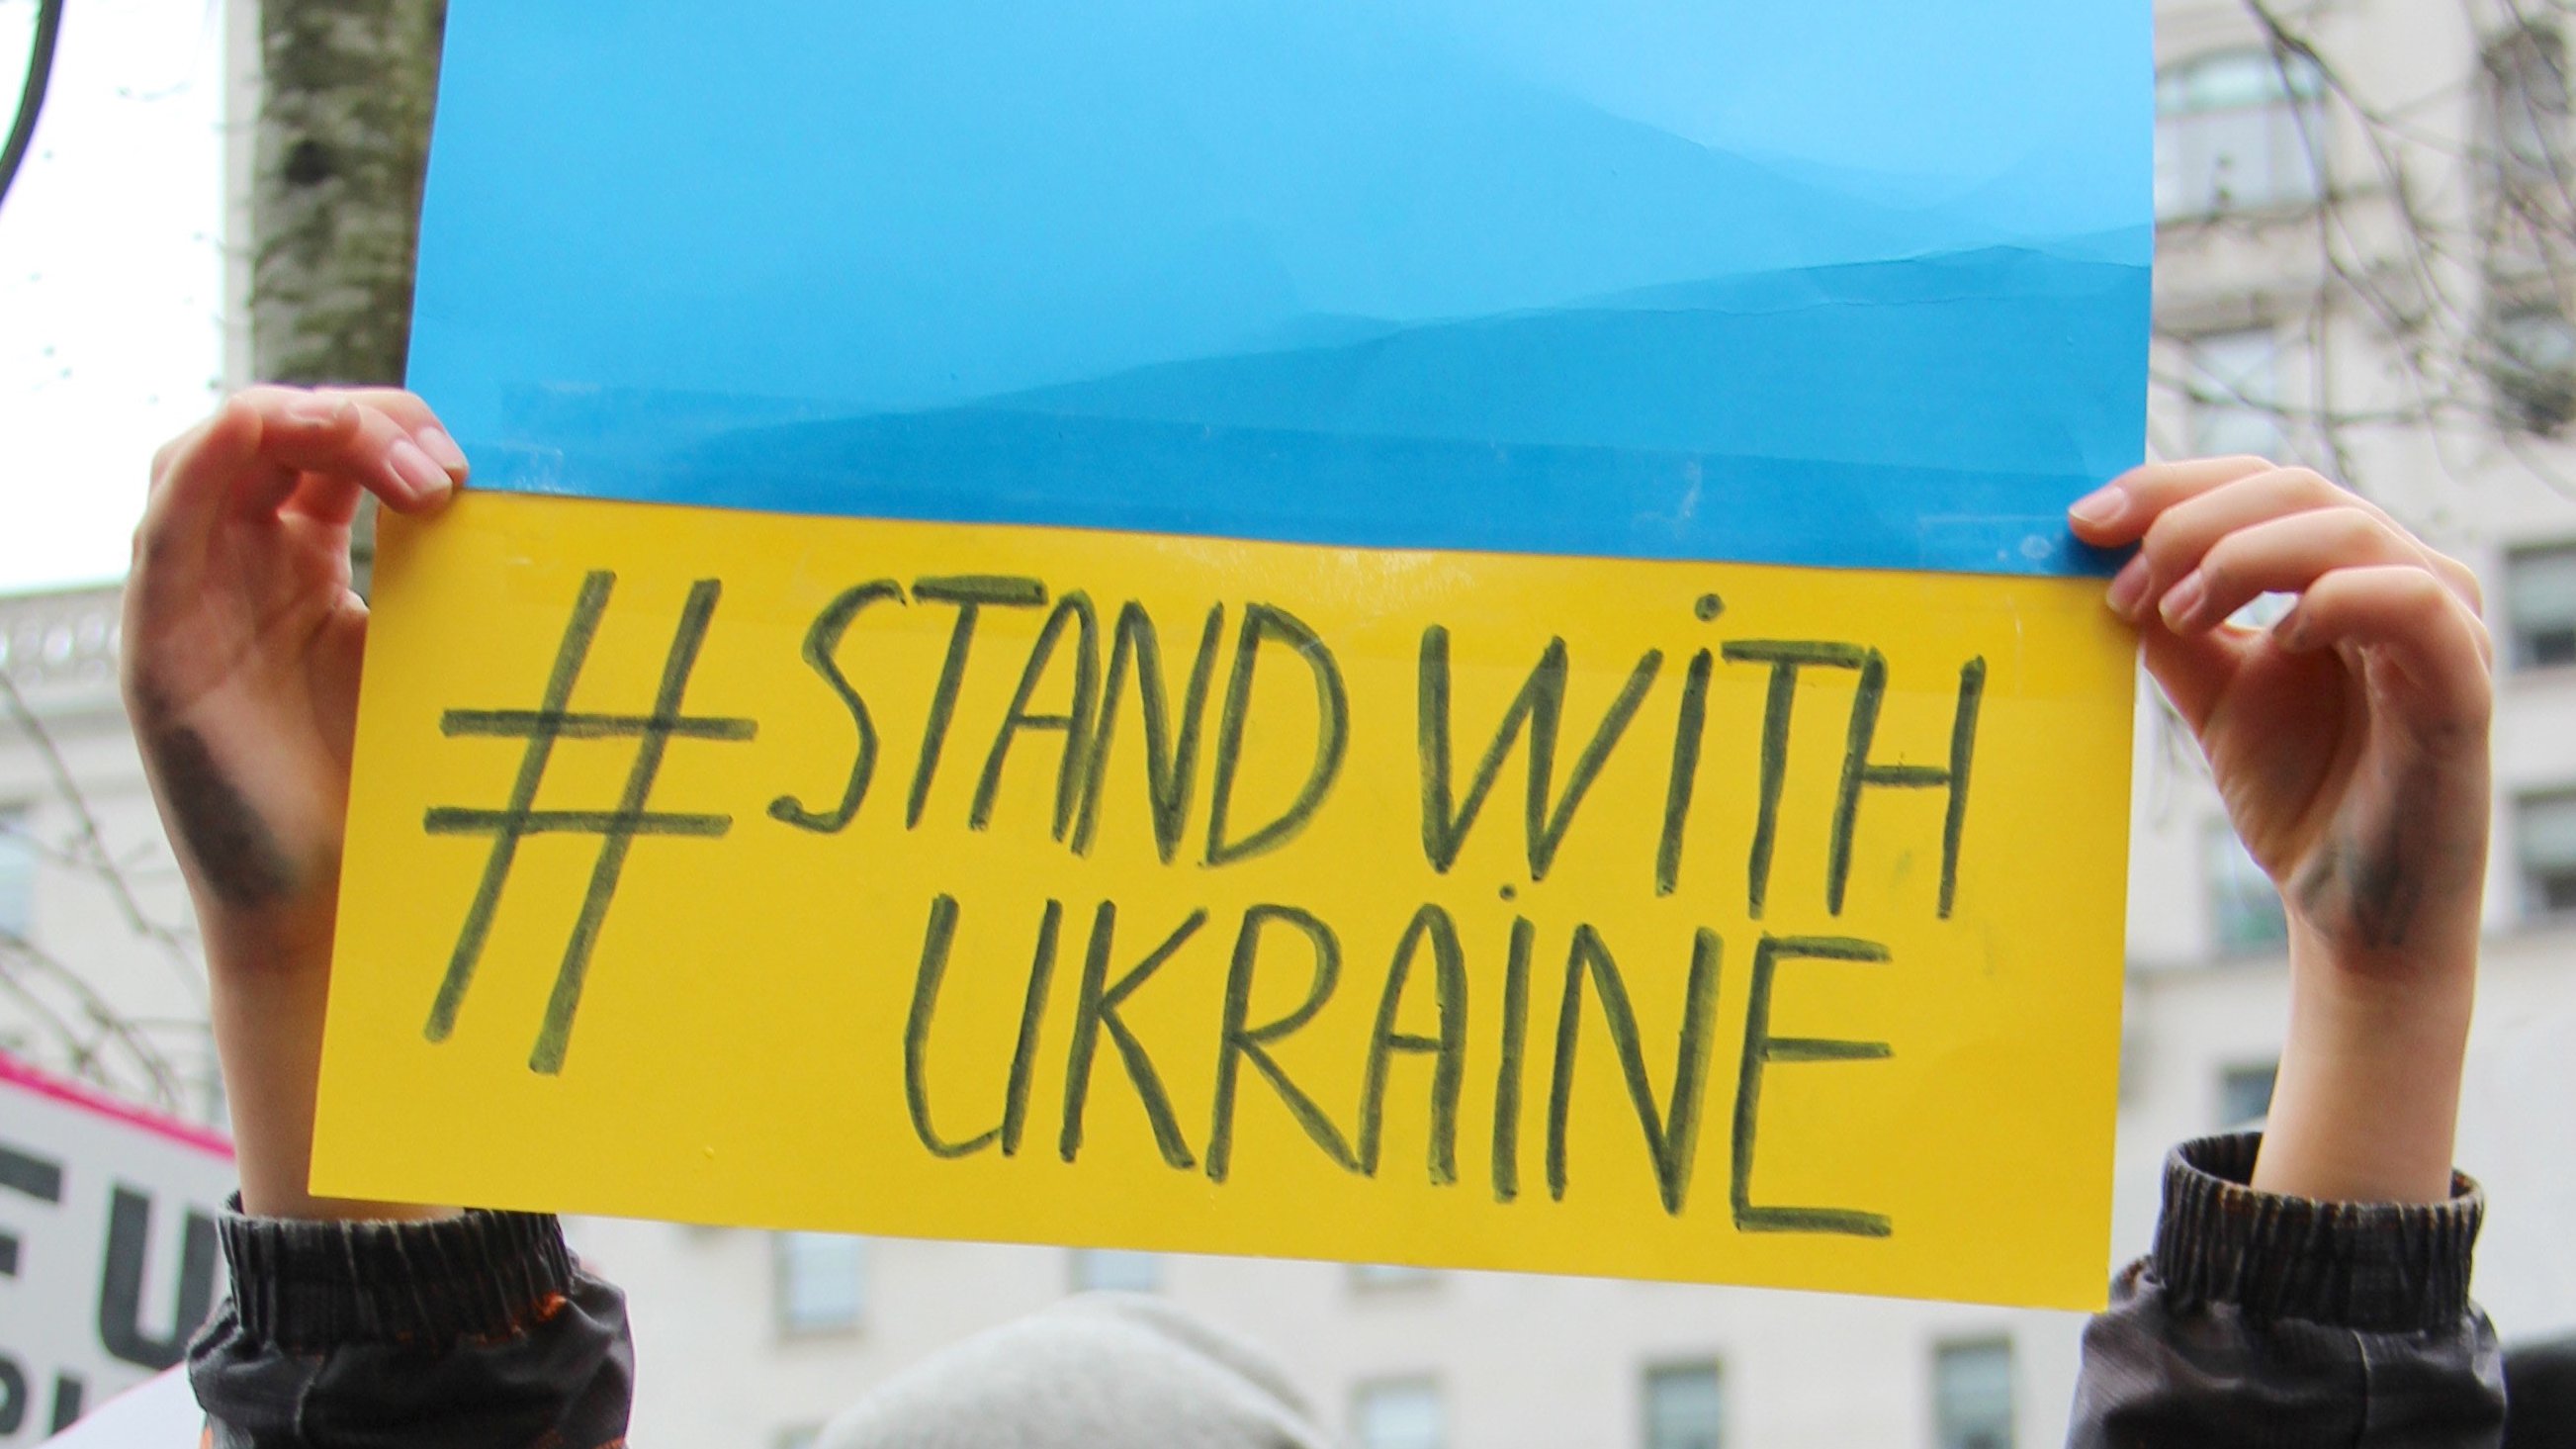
(1405, 632)
(108, 1256)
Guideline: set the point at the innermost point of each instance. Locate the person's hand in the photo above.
(242, 637)
(2349, 743)
(240, 660)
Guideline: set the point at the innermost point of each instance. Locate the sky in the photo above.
(111, 276)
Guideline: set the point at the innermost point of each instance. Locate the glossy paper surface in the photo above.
(753, 1030)
(1406, 632)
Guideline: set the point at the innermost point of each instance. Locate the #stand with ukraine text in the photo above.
(1396, 632)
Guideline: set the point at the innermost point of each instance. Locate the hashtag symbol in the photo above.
(541, 727)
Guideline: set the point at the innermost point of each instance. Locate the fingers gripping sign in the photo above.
(2349, 743)
(2368, 696)
(274, 449)
(242, 669)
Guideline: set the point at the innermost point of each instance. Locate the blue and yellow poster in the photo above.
(1411, 631)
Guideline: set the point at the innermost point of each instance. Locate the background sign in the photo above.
(108, 1256)
(161, 1414)
(1404, 631)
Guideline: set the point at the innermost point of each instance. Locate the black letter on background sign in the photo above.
(13, 1396)
(120, 1289)
(29, 1176)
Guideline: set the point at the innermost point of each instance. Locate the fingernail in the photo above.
(2102, 507)
(427, 481)
(2128, 588)
(315, 409)
(2182, 602)
(441, 449)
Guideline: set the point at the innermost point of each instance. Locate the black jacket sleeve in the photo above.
(478, 1332)
(2258, 1321)
(2278, 1322)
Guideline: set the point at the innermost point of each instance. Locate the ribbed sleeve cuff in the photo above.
(309, 1286)
(2372, 1267)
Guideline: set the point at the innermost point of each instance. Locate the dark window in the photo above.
(2245, 914)
(2545, 845)
(2241, 129)
(1116, 1270)
(17, 873)
(2534, 368)
(1400, 1414)
(1972, 1395)
(2540, 606)
(2235, 394)
(822, 1281)
(2245, 1093)
(2527, 107)
(1685, 1407)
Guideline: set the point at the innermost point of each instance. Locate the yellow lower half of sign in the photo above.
(1707, 922)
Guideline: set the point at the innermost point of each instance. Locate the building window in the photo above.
(822, 1281)
(17, 872)
(2238, 130)
(2527, 107)
(1685, 1407)
(1399, 1414)
(1972, 1395)
(2545, 844)
(2540, 606)
(2245, 1093)
(2234, 380)
(1115, 1270)
(2534, 368)
(2245, 914)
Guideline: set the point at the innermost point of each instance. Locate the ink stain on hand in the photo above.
(234, 848)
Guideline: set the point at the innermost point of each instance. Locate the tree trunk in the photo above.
(335, 191)
(343, 136)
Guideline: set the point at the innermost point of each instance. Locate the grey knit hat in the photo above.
(1099, 1371)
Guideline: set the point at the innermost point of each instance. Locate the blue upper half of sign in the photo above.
(1839, 282)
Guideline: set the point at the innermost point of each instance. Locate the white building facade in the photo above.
(2302, 314)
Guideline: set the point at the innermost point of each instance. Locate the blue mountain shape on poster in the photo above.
(1663, 424)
